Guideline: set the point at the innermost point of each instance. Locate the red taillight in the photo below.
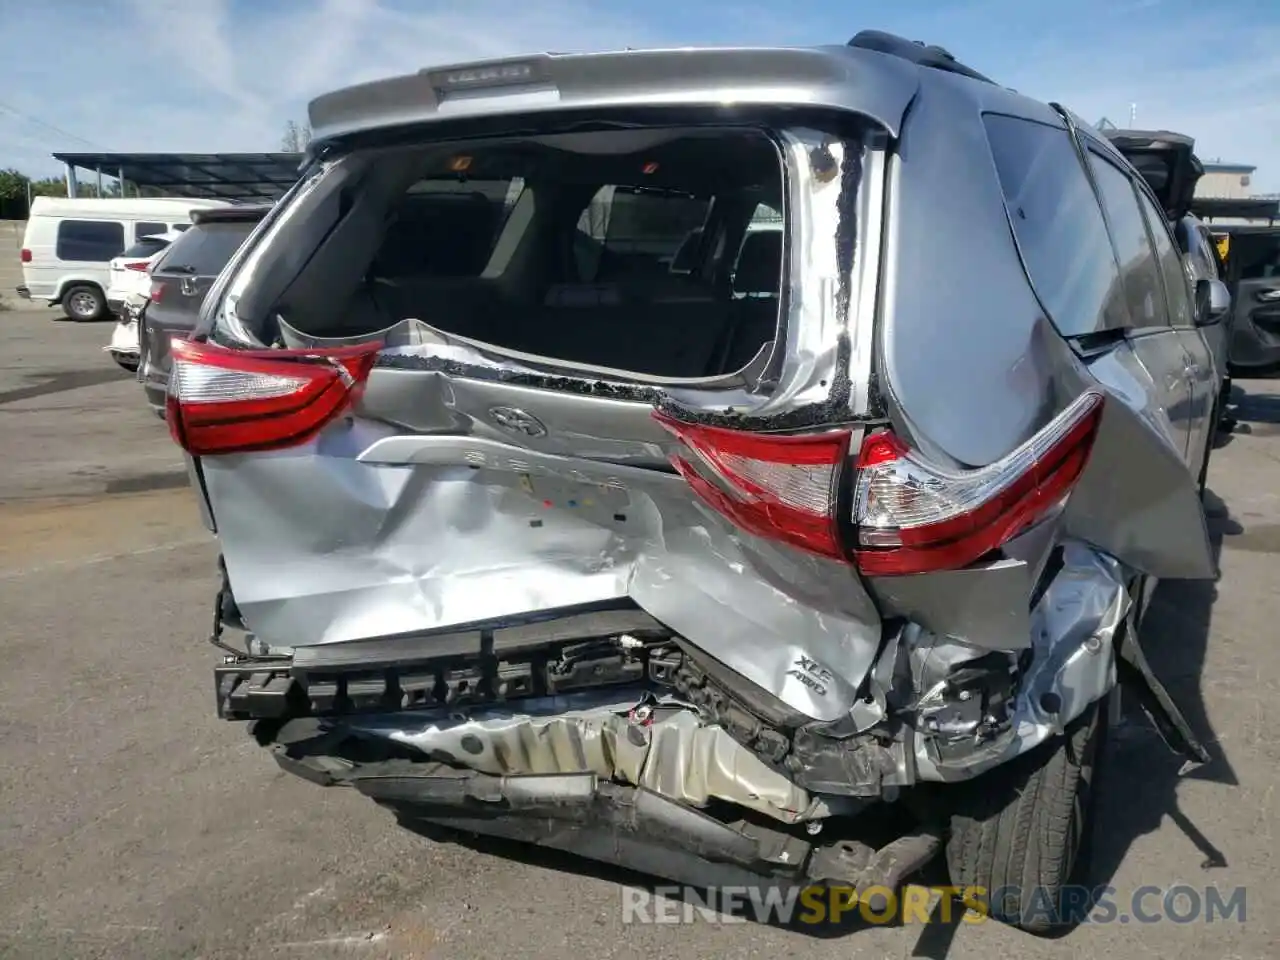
(26, 255)
(139, 265)
(157, 291)
(233, 401)
(911, 517)
(908, 516)
(779, 487)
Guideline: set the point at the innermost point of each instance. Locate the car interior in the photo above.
(583, 248)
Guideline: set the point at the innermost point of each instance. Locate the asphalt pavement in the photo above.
(135, 824)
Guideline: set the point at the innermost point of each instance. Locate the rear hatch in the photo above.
(598, 367)
(1167, 162)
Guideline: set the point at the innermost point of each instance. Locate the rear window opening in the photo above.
(654, 252)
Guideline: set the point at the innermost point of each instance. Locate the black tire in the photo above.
(84, 302)
(1016, 830)
(126, 363)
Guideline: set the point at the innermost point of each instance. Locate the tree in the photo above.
(296, 137)
(13, 185)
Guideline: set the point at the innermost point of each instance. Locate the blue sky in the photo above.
(225, 75)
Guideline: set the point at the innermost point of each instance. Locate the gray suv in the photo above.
(661, 455)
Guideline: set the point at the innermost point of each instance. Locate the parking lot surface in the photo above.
(135, 824)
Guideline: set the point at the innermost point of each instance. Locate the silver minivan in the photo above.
(661, 455)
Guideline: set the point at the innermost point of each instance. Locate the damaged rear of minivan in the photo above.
(550, 435)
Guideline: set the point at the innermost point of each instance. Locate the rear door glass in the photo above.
(1139, 267)
(144, 228)
(90, 241)
(1173, 271)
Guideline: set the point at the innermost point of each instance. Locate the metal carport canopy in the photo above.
(232, 176)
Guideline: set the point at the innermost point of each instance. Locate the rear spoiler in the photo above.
(864, 81)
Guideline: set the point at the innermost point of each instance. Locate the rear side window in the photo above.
(1139, 268)
(1057, 224)
(205, 250)
(181, 227)
(144, 228)
(1170, 260)
(90, 241)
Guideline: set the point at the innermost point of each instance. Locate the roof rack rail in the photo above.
(916, 51)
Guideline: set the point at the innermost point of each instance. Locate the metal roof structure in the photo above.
(228, 176)
(1243, 208)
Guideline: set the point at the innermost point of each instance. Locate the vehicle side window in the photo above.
(1172, 267)
(93, 241)
(181, 227)
(1139, 269)
(145, 228)
(1262, 261)
(1057, 224)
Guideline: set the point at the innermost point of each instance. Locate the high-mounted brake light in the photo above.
(235, 401)
(779, 487)
(912, 517)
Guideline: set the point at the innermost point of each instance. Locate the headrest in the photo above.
(759, 263)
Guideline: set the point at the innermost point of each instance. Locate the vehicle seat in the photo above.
(756, 287)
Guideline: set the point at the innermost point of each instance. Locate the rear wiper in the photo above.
(179, 268)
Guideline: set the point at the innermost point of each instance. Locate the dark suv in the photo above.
(179, 284)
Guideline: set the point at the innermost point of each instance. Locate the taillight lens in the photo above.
(909, 516)
(157, 291)
(139, 265)
(26, 255)
(780, 487)
(234, 401)
(912, 517)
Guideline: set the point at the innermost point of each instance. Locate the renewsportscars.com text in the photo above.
(1178, 903)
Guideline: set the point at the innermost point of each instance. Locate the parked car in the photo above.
(69, 245)
(526, 533)
(131, 284)
(178, 285)
(1168, 163)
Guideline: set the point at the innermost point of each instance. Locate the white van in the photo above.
(69, 245)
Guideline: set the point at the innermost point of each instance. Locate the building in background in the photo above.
(1226, 181)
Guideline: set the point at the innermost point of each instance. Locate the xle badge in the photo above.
(812, 674)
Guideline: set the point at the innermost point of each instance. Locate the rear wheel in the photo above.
(84, 302)
(125, 361)
(1016, 831)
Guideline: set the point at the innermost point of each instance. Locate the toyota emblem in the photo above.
(517, 421)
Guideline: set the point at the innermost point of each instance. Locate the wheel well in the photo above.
(72, 284)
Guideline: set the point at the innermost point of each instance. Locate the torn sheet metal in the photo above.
(1073, 628)
(660, 746)
(325, 548)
